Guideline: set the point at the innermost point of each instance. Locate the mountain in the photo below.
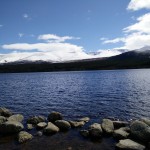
(128, 60)
(56, 56)
(107, 53)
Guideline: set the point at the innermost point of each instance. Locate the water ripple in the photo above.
(97, 94)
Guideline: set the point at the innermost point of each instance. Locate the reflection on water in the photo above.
(97, 94)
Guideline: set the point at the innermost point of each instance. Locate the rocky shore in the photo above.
(130, 135)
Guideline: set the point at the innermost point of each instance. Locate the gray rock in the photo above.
(24, 136)
(36, 119)
(51, 129)
(5, 112)
(84, 133)
(145, 120)
(69, 148)
(107, 126)
(85, 119)
(62, 124)
(129, 145)
(17, 117)
(127, 129)
(2, 119)
(121, 133)
(39, 133)
(140, 131)
(77, 124)
(95, 130)
(119, 124)
(96, 126)
(41, 125)
(11, 127)
(30, 126)
(53, 116)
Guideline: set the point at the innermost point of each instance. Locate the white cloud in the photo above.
(20, 35)
(138, 4)
(137, 41)
(54, 38)
(135, 36)
(1, 25)
(54, 50)
(108, 53)
(116, 40)
(142, 25)
(103, 38)
(51, 51)
(25, 16)
(45, 51)
(48, 47)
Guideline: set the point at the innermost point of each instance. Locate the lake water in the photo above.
(124, 94)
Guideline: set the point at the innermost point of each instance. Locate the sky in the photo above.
(72, 28)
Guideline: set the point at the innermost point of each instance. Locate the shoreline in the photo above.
(111, 132)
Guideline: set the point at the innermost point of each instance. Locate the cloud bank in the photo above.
(54, 38)
(53, 49)
(136, 36)
(138, 4)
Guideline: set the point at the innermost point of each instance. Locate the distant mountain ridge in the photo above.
(128, 60)
(48, 57)
(51, 57)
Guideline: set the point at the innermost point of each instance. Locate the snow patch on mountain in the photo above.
(57, 57)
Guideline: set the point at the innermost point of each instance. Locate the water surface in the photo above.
(123, 94)
(119, 93)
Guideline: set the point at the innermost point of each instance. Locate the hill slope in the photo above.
(128, 60)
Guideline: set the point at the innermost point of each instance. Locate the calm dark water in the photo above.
(123, 94)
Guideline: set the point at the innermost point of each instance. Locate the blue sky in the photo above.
(92, 23)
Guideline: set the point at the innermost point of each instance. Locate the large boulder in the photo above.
(107, 126)
(2, 119)
(51, 129)
(77, 124)
(140, 131)
(129, 145)
(11, 127)
(5, 112)
(145, 120)
(36, 119)
(53, 116)
(41, 125)
(17, 117)
(95, 130)
(119, 124)
(121, 133)
(24, 136)
(30, 126)
(62, 124)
